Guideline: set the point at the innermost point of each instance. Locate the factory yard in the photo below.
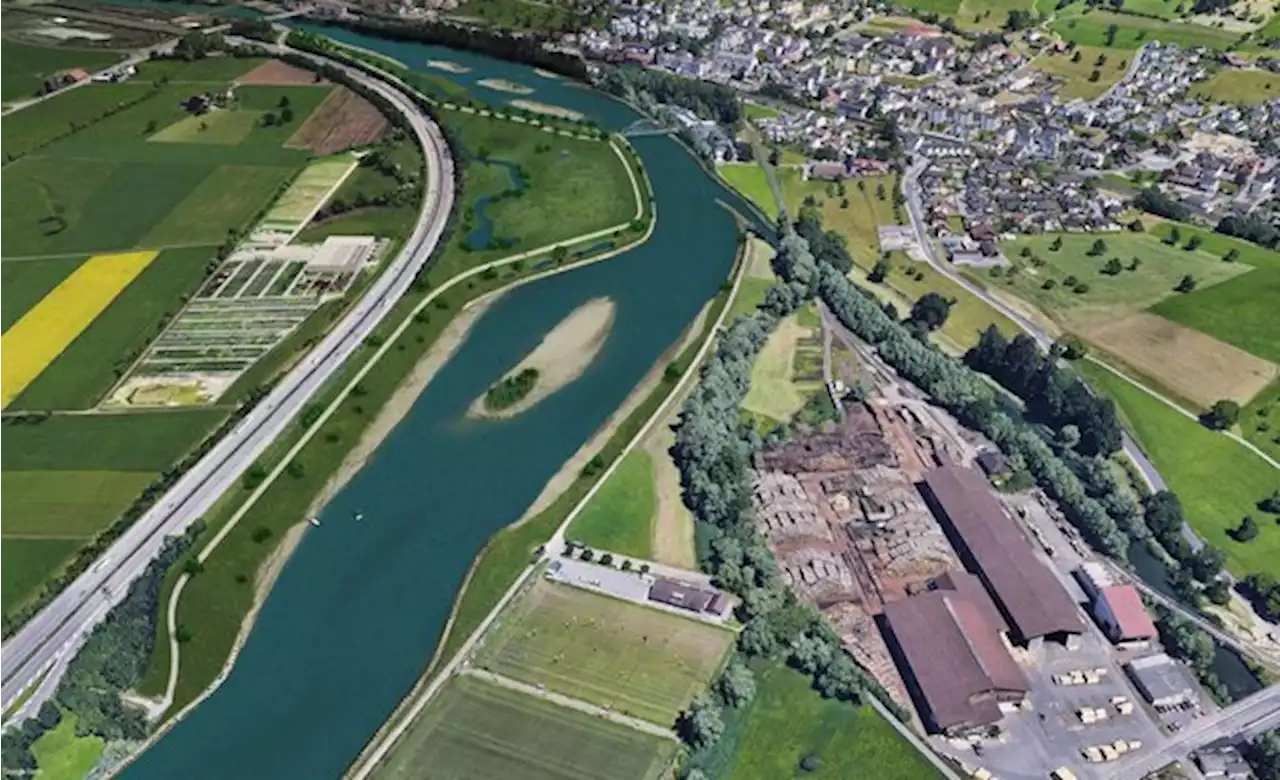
(629, 658)
(980, 611)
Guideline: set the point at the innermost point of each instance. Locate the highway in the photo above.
(47, 643)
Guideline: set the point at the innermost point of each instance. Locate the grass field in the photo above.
(1260, 420)
(775, 391)
(1239, 86)
(1240, 311)
(788, 721)
(66, 504)
(1090, 29)
(1075, 75)
(477, 729)
(218, 127)
(229, 195)
(620, 516)
(31, 127)
(636, 660)
(91, 364)
(1162, 9)
(25, 67)
(27, 562)
(1218, 481)
(210, 70)
(940, 7)
(49, 328)
(759, 111)
(1161, 268)
(105, 442)
(750, 180)
(61, 755)
(988, 14)
(857, 222)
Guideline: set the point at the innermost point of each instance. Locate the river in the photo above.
(358, 610)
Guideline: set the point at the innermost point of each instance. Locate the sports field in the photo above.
(1091, 29)
(49, 328)
(475, 729)
(1240, 311)
(637, 660)
(619, 517)
(25, 67)
(788, 721)
(1217, 480)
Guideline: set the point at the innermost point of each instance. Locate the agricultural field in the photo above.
(988, 14)
(633, 659)
(309, 191)
(1090, 28)
(1075, 75)
(33, 127)
(475, 728)
(1217, 480)
(1160, 9)
(25, 67)
(49, 328)
(344, 119)
(1239, 311)
(789, 721)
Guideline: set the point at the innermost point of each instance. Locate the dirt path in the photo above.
(560, 358)
(672, 536)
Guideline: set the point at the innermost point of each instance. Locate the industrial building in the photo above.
(1162, 681)
(1033, 602)
(1117, 607)
(949, 644)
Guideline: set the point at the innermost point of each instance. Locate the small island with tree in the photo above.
(510, 390)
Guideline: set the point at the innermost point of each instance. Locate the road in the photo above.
(1243, 720)
(50, 639)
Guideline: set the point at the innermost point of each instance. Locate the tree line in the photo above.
(524, 48)
(709, 101)
(113, 659)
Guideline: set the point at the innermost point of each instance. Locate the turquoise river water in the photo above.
(359, 608)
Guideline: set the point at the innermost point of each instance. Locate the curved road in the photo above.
(41, 650)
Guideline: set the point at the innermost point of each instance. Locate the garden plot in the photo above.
(295, 208)
(251, 303)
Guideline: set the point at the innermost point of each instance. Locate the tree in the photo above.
(701, 724)
(284, 102)
(1193, 243)
(1186, 284)
(1219, 592)
(1247, 531)
(1113, 267)
(151, 127)
(1068, 437)
(737, 685)
(1271, 503)
(268, 120)
(1222, 415)
(559, 253)
(1056, 245)
(260, 534)
(1099, 247)
(192, 566)
(1231, 256)
(880, 271)
(931, 311)
(810, 763)
(286, 115)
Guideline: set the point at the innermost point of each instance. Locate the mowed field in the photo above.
(1240, 311)
(620, 515)
(639, 661)
(476, 729)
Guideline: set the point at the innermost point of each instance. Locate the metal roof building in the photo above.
(1030, 597)
(947, 643)
(1161, 680)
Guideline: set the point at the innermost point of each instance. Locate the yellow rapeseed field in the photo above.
(43, 333)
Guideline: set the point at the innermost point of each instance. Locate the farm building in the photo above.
(949, 644)
(1162, 681)
(1117, 607)
(1033, 602)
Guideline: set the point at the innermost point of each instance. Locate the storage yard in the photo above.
(956, 597)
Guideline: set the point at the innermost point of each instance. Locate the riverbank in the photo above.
(560, 358)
